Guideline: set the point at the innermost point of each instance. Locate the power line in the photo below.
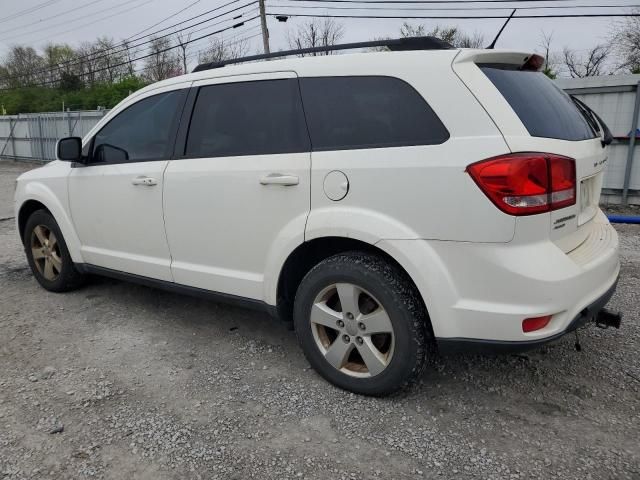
(460, 17)
(112, 51)
(165, 19)
(369, 7)
(74, 9)
(67, 22)
(27, 11)
(433, 1)
(142, 57)
(93, 22)
(188, 19)
(124, 44)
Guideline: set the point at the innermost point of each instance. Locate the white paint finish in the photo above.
(222, 222)
(120, 225)
(48, 185)
(409, 192)
(484, 291)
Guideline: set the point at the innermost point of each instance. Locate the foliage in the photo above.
(47, 99)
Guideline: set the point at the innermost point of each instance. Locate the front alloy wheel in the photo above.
(46, 252)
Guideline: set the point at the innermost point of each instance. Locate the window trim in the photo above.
(372, 146)
(189, 109)
(172, 130)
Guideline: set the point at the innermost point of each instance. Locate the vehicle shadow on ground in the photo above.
(529, 373)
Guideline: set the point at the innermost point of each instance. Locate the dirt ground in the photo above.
(119, 381)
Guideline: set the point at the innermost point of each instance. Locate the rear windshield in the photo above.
(544, 109)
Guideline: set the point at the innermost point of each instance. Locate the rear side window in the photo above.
(544, 109)
(368, 112)
(141, 132)
(248, 118)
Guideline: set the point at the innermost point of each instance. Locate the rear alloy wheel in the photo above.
(48, 255)
(361, 323)
(352, 330)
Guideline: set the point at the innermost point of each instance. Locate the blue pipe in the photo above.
(623, 219)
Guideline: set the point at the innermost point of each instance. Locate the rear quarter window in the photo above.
(544, 109)
(367, 112)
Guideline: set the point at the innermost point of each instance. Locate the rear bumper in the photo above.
(480, 293)
(471, 345)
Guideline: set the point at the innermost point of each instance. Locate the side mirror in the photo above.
(69, 149)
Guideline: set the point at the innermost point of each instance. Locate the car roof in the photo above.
(321, 65)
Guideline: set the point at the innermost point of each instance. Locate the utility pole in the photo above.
(265, 30)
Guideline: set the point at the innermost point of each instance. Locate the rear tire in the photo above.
(361, 324)
(48, 255)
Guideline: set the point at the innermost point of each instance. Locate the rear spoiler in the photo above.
(519, 60)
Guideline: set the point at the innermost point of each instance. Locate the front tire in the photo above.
(361, 324)
(48, 255)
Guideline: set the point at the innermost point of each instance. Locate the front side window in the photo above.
(368, 112)
(247, 118)
(141, 132)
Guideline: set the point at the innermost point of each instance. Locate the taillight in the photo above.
(527, 183)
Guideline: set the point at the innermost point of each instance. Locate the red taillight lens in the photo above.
(527, 183)
(535, 323)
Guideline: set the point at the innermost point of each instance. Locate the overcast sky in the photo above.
(75, 21)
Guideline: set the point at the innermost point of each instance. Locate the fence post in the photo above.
(13, 137)
(632, 144)
(40, 137)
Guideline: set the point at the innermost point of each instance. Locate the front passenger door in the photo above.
(116, 197)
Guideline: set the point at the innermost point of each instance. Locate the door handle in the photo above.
(279, 179)
(142, 180)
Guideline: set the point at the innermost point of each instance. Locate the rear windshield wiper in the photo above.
(594, 120)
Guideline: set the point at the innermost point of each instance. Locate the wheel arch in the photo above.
(26, 210)
(39, 197)
(308, 254)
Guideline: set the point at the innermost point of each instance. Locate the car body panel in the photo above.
(478, 270)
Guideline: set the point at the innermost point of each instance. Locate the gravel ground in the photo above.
(121, 381)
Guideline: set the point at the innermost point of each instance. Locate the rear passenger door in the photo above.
(239, 188)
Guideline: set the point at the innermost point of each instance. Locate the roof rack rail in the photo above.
(397, 44)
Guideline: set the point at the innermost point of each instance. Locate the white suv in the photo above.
(387, 203)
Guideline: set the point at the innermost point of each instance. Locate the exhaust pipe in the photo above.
(607, 318)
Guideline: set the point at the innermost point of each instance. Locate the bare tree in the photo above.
(183, 40)
(408, 30)
(129, 54)
(87, 63)
(163, 61)
(316, 33)
(452, 35)
(591, 64)
(110, 60)
(626, 43)
(219, 50)
(550, 66)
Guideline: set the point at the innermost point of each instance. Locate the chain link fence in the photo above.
(33, 136)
